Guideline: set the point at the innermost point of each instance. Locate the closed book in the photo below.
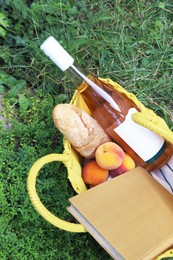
(130, 216)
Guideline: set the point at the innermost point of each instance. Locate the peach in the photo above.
(92, 173)
(127, 164)
(109, 155)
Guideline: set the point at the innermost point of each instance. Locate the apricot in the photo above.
(127, 165)
(93, 174)
(109, 155)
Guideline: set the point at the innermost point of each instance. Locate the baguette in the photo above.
(79, 128)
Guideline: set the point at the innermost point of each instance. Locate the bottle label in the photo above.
(147, 144)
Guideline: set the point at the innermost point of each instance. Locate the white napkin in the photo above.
(164, 175)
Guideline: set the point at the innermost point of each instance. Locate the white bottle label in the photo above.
(143, 141)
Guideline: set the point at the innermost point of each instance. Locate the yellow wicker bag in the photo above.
(71, 158)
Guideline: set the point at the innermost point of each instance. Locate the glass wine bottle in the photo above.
(113, 111)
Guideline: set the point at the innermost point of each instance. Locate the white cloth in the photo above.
(164, 175)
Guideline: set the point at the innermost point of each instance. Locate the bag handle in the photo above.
(41, 209)
(153, 122)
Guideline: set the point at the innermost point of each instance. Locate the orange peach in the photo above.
(92, 173)
(127, 164)
(109, 155)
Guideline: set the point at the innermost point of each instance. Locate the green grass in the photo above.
(127, 41)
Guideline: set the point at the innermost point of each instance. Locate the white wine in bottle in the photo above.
(113, 111)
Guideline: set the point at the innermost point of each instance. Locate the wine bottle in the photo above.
(113, 111)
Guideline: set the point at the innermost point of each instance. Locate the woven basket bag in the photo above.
(71, 159)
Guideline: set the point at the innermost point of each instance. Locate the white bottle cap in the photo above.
(57, 53)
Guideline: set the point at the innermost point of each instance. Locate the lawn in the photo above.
(127, 41)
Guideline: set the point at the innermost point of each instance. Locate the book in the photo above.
(130, 216)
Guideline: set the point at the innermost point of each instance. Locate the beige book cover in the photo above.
(131, 216)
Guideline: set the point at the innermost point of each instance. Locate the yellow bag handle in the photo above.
(41, 209)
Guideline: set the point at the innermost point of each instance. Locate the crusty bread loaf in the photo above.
(79, 128)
